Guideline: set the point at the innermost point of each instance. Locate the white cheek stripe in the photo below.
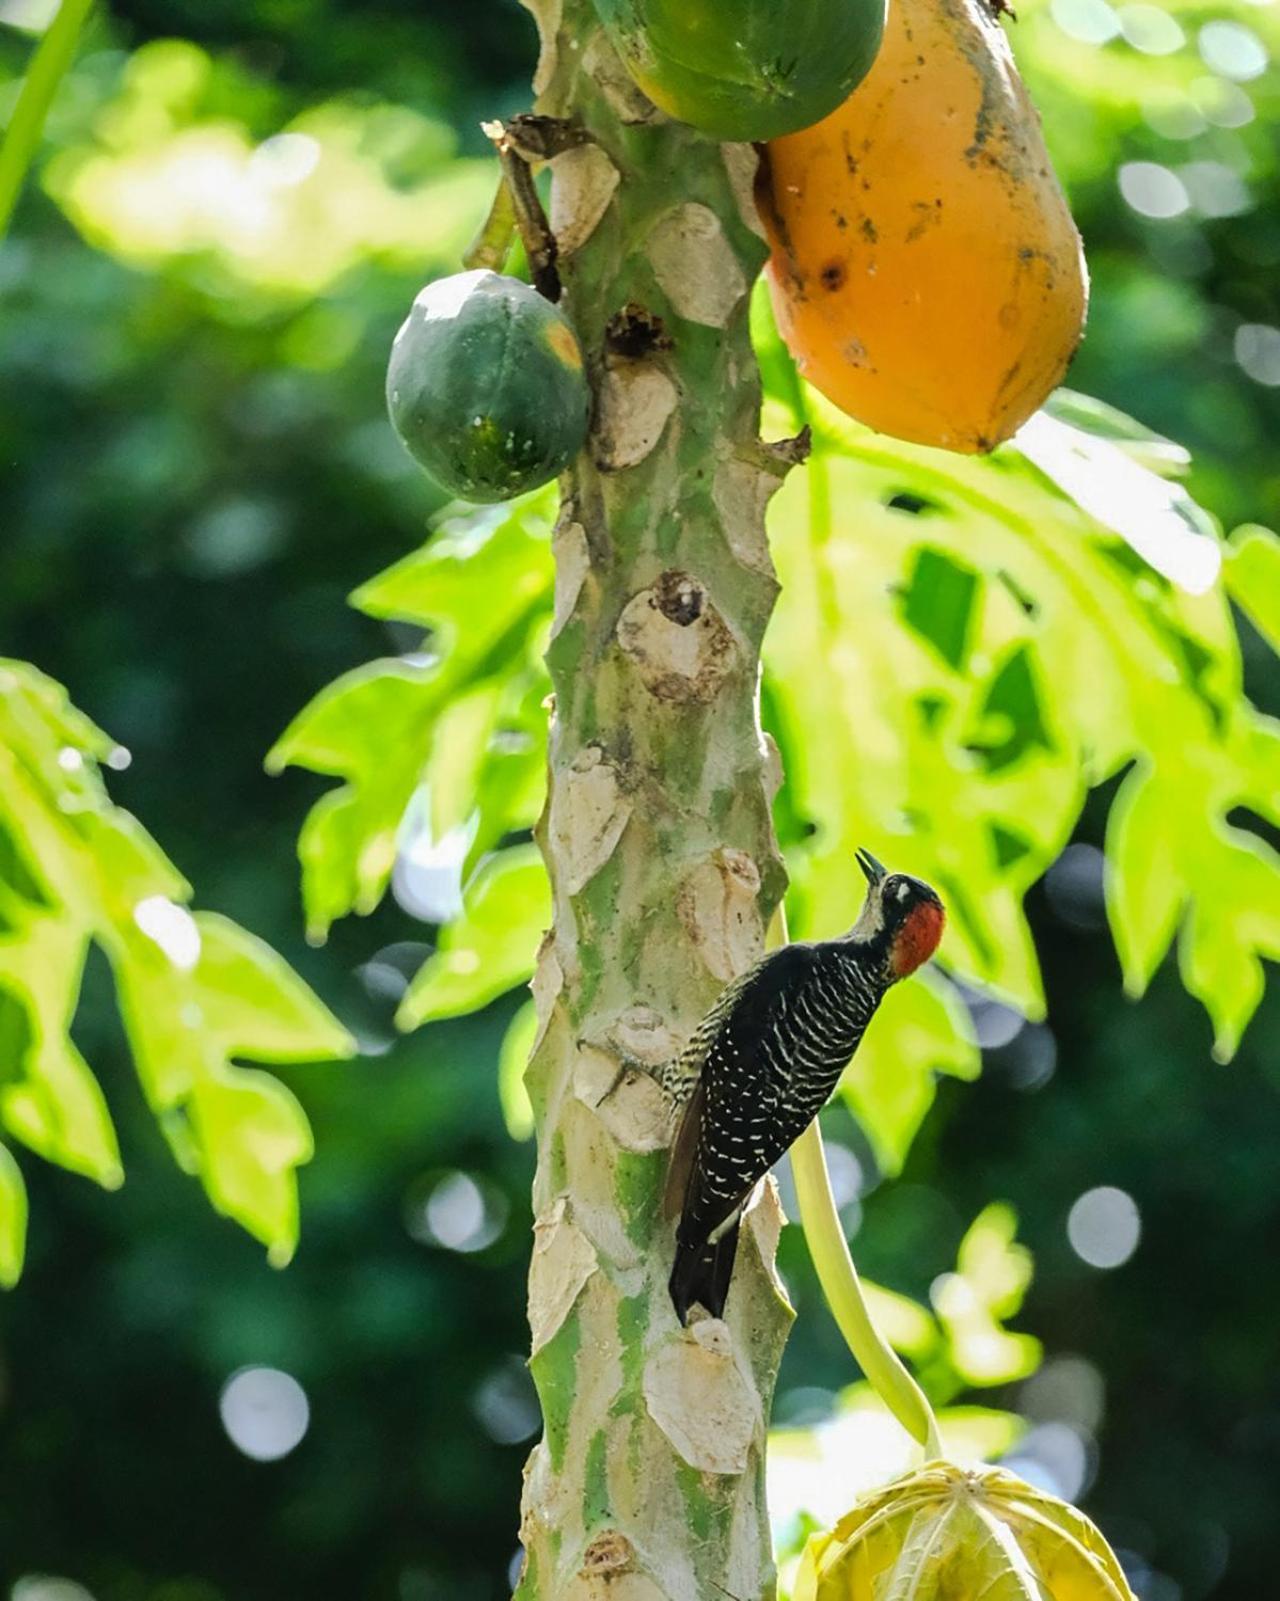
(870, 920)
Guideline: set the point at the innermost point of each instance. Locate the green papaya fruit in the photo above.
(746, 69)
(485, 386)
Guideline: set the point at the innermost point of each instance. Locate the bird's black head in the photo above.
(902, 913)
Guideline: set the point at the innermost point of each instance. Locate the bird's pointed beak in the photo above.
(872, 868)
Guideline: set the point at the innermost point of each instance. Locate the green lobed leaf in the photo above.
(463, 719)
(997, 635)
(491, 948)
(196, 992)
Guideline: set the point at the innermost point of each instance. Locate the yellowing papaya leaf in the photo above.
(949, 1530)
(814, 1472)
(196, 992)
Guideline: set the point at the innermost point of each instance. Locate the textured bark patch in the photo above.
(741, 492)
(701, 1400)
(763, 1223)
(613, 1587)
(609, 1552)
(773, 773)
(573, 560)
(589, 811)
(546, 984)
(695, 265)
(633, 405)
(547, 14)
(585, 180)
(628, 102)
(676, 639)
(718, 904)
(646, 1035)
(563, 1260)
(634, 332)
(629, 1103)
(742, 163)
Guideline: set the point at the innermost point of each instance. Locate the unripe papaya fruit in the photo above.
(745, 69)
(925, 271)
(485, 386)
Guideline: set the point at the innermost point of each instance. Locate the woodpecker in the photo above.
(765, 1059)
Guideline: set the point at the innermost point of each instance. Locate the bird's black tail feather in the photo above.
(701, 1275)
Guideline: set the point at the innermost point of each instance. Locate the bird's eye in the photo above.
(903, 890)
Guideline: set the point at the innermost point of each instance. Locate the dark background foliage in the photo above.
(189, 487)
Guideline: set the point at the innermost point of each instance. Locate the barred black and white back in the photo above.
(759, 1068)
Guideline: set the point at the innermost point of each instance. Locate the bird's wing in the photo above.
(746, 1117)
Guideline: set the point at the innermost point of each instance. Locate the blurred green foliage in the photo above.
(200, 473)
(195, 992)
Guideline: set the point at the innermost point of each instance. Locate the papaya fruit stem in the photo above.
(530, 217)
(492, 243)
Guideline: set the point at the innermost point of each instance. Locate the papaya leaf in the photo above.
(457, 719)
(997, 635)
(491, 948)
(1253, 579)
(517, 1046)
(921, 1030)
(197, 993)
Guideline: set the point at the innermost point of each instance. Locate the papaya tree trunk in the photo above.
(649, 1478)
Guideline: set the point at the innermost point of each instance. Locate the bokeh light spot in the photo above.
(46, 1587)
(1151, 30)
(1152, 190)
(1056, 1458)
(1216, 190)
(1257, 351)
(1074, 886)
(1232, 50)
(1089, 21)
(507, 1404)
(1104, 1227)
(171, 927)
(453, 1210)
(265, 1412)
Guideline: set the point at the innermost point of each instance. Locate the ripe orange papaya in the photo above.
(926, 273)
(745, 69)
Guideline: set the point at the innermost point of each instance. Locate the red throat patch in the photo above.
(917, 939)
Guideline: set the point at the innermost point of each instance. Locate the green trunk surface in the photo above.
(649, 1480)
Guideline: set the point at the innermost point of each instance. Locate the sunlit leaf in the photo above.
(996, 635)
(492, 946)
(13, 1220)
(991, 1277)
(197, 993)
(920, 1030)
(517, 1044)
(289, 216)
(464, 718)
(949, 1530)
(1253, 579)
